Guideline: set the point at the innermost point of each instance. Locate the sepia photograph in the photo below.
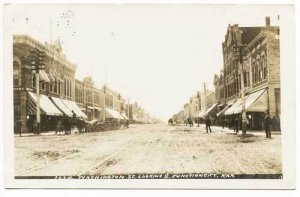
(177, 93)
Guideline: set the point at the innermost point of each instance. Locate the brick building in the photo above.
(261, 73)
(57, 84)
(60, 93)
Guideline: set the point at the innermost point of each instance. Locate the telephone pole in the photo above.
(37, 63)
(239, 52)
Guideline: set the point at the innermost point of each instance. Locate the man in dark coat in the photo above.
(236, 125)
(267, 124)
(207, 124)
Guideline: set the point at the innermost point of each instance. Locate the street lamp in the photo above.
(239, 53)
(36, 61)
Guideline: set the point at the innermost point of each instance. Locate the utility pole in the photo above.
(239, 52)
(128, 108)
(37, 63)
(204, 84)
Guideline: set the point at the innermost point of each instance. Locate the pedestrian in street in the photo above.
(191, 122)
(223, 123)
(73, 121)
(267, 124)
(59, 127)
(236, 125)
(207, 124)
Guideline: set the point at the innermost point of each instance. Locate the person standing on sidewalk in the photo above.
(236, 125)
(207, 124)
(267, 124)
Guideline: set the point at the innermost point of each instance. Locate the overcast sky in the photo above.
(157, 55)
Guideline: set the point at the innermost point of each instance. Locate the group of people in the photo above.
(235, 123)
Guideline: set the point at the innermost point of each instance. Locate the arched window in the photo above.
(264, 66)
(58, 87)
(17, 73)
(55, 85)
(33, 80)
(70, 88)
(258, 69)
(65, 86)
(253, 72)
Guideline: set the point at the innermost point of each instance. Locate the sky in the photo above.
(156, 55)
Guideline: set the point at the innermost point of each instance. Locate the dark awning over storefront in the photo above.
(212, 111)
(46, 105)
(228, 105)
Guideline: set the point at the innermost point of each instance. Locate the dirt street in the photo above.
(147, 149)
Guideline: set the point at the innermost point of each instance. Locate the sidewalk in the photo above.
(32, 134)
(226, 130)
(48, 133)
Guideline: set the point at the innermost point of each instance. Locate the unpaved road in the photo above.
(147, 149)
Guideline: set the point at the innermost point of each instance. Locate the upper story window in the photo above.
(264, 66)
(33, 80)
(16, 73)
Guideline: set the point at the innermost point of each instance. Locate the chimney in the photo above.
(268, 23)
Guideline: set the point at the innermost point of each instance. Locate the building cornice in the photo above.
(26, 39)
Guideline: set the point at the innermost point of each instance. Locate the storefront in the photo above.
(256, 103)
(49, 112)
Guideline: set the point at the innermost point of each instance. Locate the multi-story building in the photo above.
(260, 69)
(195, 104)
(60, 93)
(57, 83)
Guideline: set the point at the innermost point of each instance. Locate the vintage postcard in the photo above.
(197, 96)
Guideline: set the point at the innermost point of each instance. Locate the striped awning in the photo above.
(60, 105)
(46, 105)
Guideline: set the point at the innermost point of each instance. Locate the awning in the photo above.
(196, 114)
(97, 108)
(202, 113)
(221, 113)
(124, 116)
(50, 76)
(60, 105)
(229, 103)
(90, 107)
(73, 106)
(113, 114)
(254, 102)
(135, 118)
(43, 76)
(235, 105)
(46, 105)
(212, 111)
